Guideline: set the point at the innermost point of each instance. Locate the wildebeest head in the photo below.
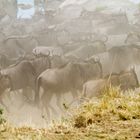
(128, 79)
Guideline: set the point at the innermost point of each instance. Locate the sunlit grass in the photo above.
(114, 116)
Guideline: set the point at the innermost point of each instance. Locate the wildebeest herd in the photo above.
(69, 56)
(60, 74)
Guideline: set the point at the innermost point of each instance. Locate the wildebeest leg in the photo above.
(38, 84)
(24, 93)
(58, 100)
(46, 98)
(49, 105)
(45, 104)
(48, 113)
(52, 109)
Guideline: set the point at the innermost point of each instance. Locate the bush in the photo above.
(2, 120)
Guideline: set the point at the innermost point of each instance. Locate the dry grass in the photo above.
(115, 116)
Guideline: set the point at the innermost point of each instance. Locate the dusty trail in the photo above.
(21, 113)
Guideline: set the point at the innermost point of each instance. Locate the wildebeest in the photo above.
(124, 56)
(5, 61)
(89, 50)
(67, 78)
(23, 74)
(125, 79)
(18, 76)
(13, 44)
(132, 38)
(44, 50)
(119, 58)
(42, 62)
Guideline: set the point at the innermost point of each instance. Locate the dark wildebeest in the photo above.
(119, 58)
(23, 74)
(123, 57)
(70, 77)
(126, 80)
(20, 76)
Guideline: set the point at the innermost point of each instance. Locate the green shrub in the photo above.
(2, 120)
